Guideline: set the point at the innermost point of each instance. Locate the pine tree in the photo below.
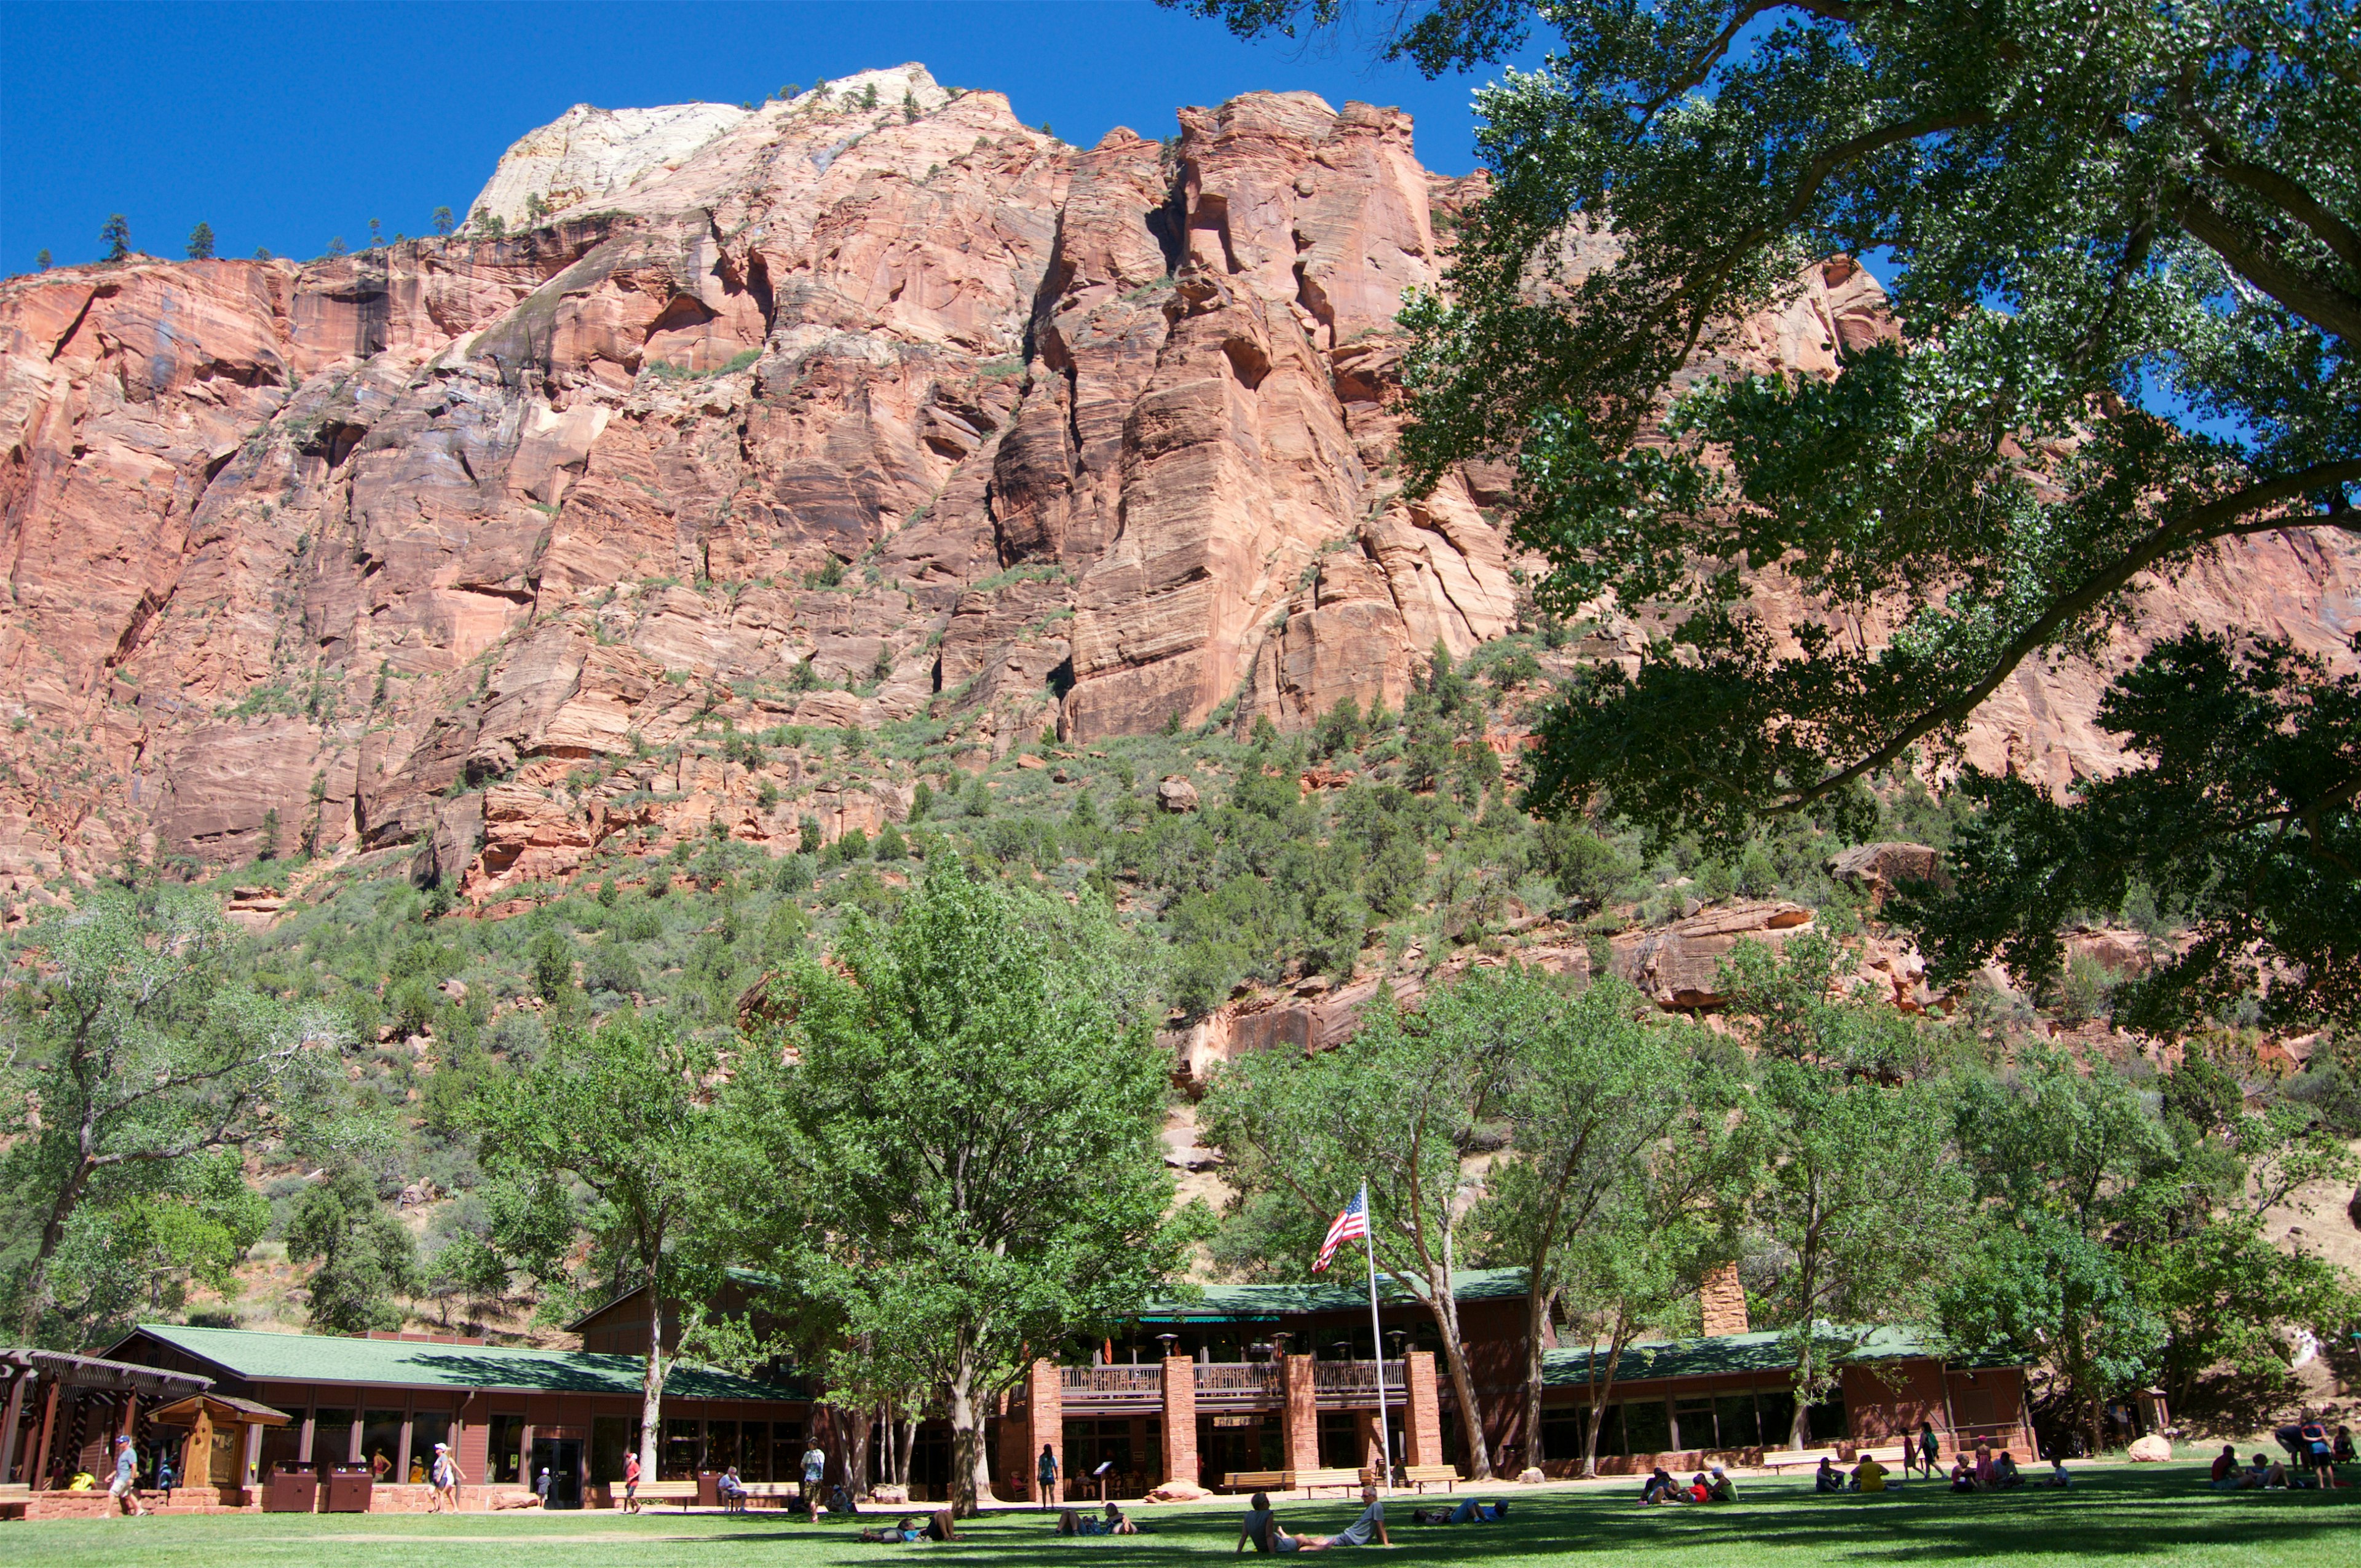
(262, 253)
(442, 220)
(909, 107)
(201, 243)
(116, 237)
(42, 260)
(336, 245)
(376, 234)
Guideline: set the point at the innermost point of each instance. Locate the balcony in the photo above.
(1339, 1384)
(1238, 1386)
(1111, 1387)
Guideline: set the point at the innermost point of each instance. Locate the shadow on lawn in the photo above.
(2161, 1512)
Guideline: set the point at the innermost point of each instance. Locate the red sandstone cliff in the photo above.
(1084, 437)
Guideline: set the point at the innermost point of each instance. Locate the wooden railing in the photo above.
(1352, 1379)
(1111, 1385)
(1237, 1384)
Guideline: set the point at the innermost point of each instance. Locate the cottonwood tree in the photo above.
(2090, 215)
(364, 1255)
(1612, 1114)
(1859, 1193)
(1398, 1106)
(970, 1136)
(625, 1109)
(1623, 1177)
(132, 1057)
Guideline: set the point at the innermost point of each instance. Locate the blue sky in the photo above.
(284, 124)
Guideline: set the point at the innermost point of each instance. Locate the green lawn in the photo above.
(2114, 1515)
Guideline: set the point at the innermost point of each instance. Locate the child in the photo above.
(2057, 1476)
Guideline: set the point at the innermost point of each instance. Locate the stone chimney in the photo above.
(1723, 1301)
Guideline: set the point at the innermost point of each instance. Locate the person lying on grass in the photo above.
(1470, 1511)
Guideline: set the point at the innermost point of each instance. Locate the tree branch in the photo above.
(2212, 520)
(2330, 309)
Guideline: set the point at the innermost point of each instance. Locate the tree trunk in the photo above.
(1600, 1392)
(856, 1451)
(970, 1475)
(1446, 1308)
(1537, 1323)
(908, 1446)
(53, 1230)
(653, 1381)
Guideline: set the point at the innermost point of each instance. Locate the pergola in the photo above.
(62, 1411)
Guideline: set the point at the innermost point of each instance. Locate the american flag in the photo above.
(1350, 1225)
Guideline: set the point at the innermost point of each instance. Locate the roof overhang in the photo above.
(98, 1372)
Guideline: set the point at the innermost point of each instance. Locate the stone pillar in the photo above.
(1373, 1455)
(1722, 1301)
(1421, 1411)
(1180, 1419)
(1299, 1428)
(1045, 1425)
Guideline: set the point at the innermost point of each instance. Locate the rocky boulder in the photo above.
(1176, 794)
(1677, 964)
(1878, 869)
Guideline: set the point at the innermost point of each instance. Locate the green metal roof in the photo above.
(417, 1364)
(1231, 1302)
(1722, 1355)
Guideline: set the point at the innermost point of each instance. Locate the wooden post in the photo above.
(49, 1431)
(9, 1422)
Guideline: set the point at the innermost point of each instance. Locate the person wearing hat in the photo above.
(446, 1478)
(125, 1488)
(1721, 1488)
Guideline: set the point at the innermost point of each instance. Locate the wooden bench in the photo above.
(681, 1492)
(15, 1500)
(1425, 1475)
(780, 1493)
(1288, 1480)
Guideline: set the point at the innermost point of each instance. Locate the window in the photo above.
(1827, 1418)
(1647, 1427)
(1777, 1408)
(1340, 1440)
(1693, 1424)
(381, 1443)
(504, 1449)
(786, 1450)
(332, 1438)
(427, 1428)
(681, 1453)
(1735, 1419)
(754, 1451)
(720, 1445)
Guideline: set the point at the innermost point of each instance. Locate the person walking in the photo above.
(1045, 1470)
(815, 1472)
(124, 1487)
(166, 1479)
(1930, 1448)
(632, 1483)
(445, 1474)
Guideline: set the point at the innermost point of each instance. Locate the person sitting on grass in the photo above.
(1963, 1476)
(1697, 1491)
(2225, 1469)
(1869, 1475)
(1721, 1488)
(2256, 1476)
(1828, 1478)
(2004, 1472)
(1659, 1487)
(2057, 1476)
(1259, 1530)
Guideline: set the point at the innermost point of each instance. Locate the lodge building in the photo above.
(1226, 1379)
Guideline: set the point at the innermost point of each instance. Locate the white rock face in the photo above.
(591, 157)
(586, 154)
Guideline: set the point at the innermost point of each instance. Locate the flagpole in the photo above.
(1377, 1347)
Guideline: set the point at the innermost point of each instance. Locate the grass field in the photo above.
(2114, 1515)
